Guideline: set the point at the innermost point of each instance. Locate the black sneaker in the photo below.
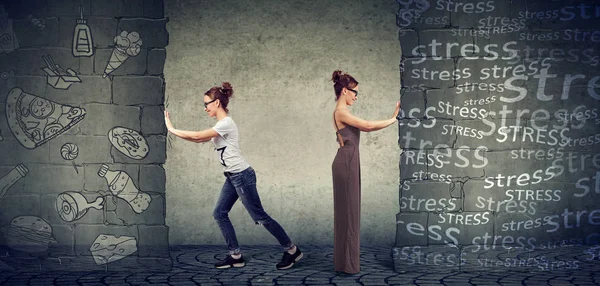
(288, 260)
(229, 262)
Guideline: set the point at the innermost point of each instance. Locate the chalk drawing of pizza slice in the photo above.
(35, 120)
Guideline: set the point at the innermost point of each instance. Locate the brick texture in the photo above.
(494, 102)
(131, 96)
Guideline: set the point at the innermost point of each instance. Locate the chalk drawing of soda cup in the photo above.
(121, 185)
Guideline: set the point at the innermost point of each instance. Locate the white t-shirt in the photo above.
(227, 146)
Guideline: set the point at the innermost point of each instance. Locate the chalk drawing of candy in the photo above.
(70, 151)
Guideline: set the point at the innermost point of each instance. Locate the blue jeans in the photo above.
(243, 185)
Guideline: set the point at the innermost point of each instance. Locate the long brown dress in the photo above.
(346, 202)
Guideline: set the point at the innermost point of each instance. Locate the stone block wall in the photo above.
(500, 133)
(95, 110)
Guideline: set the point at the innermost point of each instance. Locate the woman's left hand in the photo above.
(397, 110)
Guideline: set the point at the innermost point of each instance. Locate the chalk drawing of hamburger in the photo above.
(29, 234)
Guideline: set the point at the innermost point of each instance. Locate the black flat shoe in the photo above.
(229, 262)
(288, 260)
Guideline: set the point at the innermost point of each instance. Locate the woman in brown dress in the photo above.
(346, 173)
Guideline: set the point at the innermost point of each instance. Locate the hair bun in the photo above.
(336, 76)
(227, 89)
(342, 80)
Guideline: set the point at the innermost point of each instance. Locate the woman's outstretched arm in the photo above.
(367, 125)
(193, 136)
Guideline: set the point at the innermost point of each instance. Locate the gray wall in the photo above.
(279, 57)
(40, 181)
(501, 135)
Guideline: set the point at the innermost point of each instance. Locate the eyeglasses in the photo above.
(207, 103)
(355, 91)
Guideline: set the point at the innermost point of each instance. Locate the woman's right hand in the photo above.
(397, 110)
(168, 122)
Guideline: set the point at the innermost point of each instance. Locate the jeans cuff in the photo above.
(288, 246)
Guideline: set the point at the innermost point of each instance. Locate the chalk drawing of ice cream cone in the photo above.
(121, 185)
(126, 45)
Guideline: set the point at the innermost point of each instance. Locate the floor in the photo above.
(194, 266)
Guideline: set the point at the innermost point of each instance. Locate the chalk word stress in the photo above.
(411, 10)
(417, 255)
(448, 234)
(501, 82)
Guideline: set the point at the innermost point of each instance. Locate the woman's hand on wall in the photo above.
(397, 110)
(168, 121)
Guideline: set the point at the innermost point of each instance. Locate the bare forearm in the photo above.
(196, 140)
(380, 124)
(184, 134)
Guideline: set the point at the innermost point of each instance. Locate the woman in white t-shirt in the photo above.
(240, 179)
